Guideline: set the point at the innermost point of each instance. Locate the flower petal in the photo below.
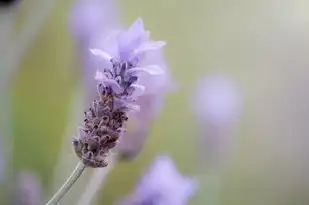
(114, 85)
(133, 107)
(99, 76)
(110, 44)
(138, 90)
(126, 104)
(119, 103)
(151, 70)
(101, 53)
(145, 37)
(149, 46)
(90, 17)
(130, 38)
(136, 29)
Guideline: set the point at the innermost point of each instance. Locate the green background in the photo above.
(252, 41)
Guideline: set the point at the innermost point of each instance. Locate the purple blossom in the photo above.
(151, 82)
(90, 18)
(28, 189)
(96, 26)
(217, 100)
(118, 88)
(133, 45)
(162, 185)
(217, 104)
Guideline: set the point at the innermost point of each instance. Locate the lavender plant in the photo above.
(162, 185)
(217, 106)
(119, 84)
(89, 21)
(28, 189)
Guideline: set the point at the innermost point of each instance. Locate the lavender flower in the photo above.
(28, 189)
(92, 21)
(217, 100)
(162, 185)
(89, 18)
(120, 83)
(217, 105)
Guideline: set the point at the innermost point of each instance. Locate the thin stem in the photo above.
(67, 185)
(96, 182)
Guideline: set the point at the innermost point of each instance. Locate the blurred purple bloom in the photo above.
(90, 21)
(89, 18)
(217, 104)
(217, 100)
(162, 185)
(28, 189)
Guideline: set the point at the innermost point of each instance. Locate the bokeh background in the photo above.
(261, 44)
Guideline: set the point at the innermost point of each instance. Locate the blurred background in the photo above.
(258, 47)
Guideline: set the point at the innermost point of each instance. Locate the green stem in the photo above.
(67, 185)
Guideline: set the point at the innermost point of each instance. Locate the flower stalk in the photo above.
(79, 169)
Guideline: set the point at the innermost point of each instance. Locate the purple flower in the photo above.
(28, 189)
(217, 104)
(92, 22)
(217, 100)
(118, 88)
(162, 185)
(133, 45)
(106, 48)
(89, 18)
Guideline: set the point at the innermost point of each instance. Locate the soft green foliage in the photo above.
(202, 36)
(42, 90)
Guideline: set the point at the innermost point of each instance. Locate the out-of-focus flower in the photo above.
(28, 189)
(90, 22)
(217, 104)
(89, 18)
(120, 83)
(217, 100)
(162, 185)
